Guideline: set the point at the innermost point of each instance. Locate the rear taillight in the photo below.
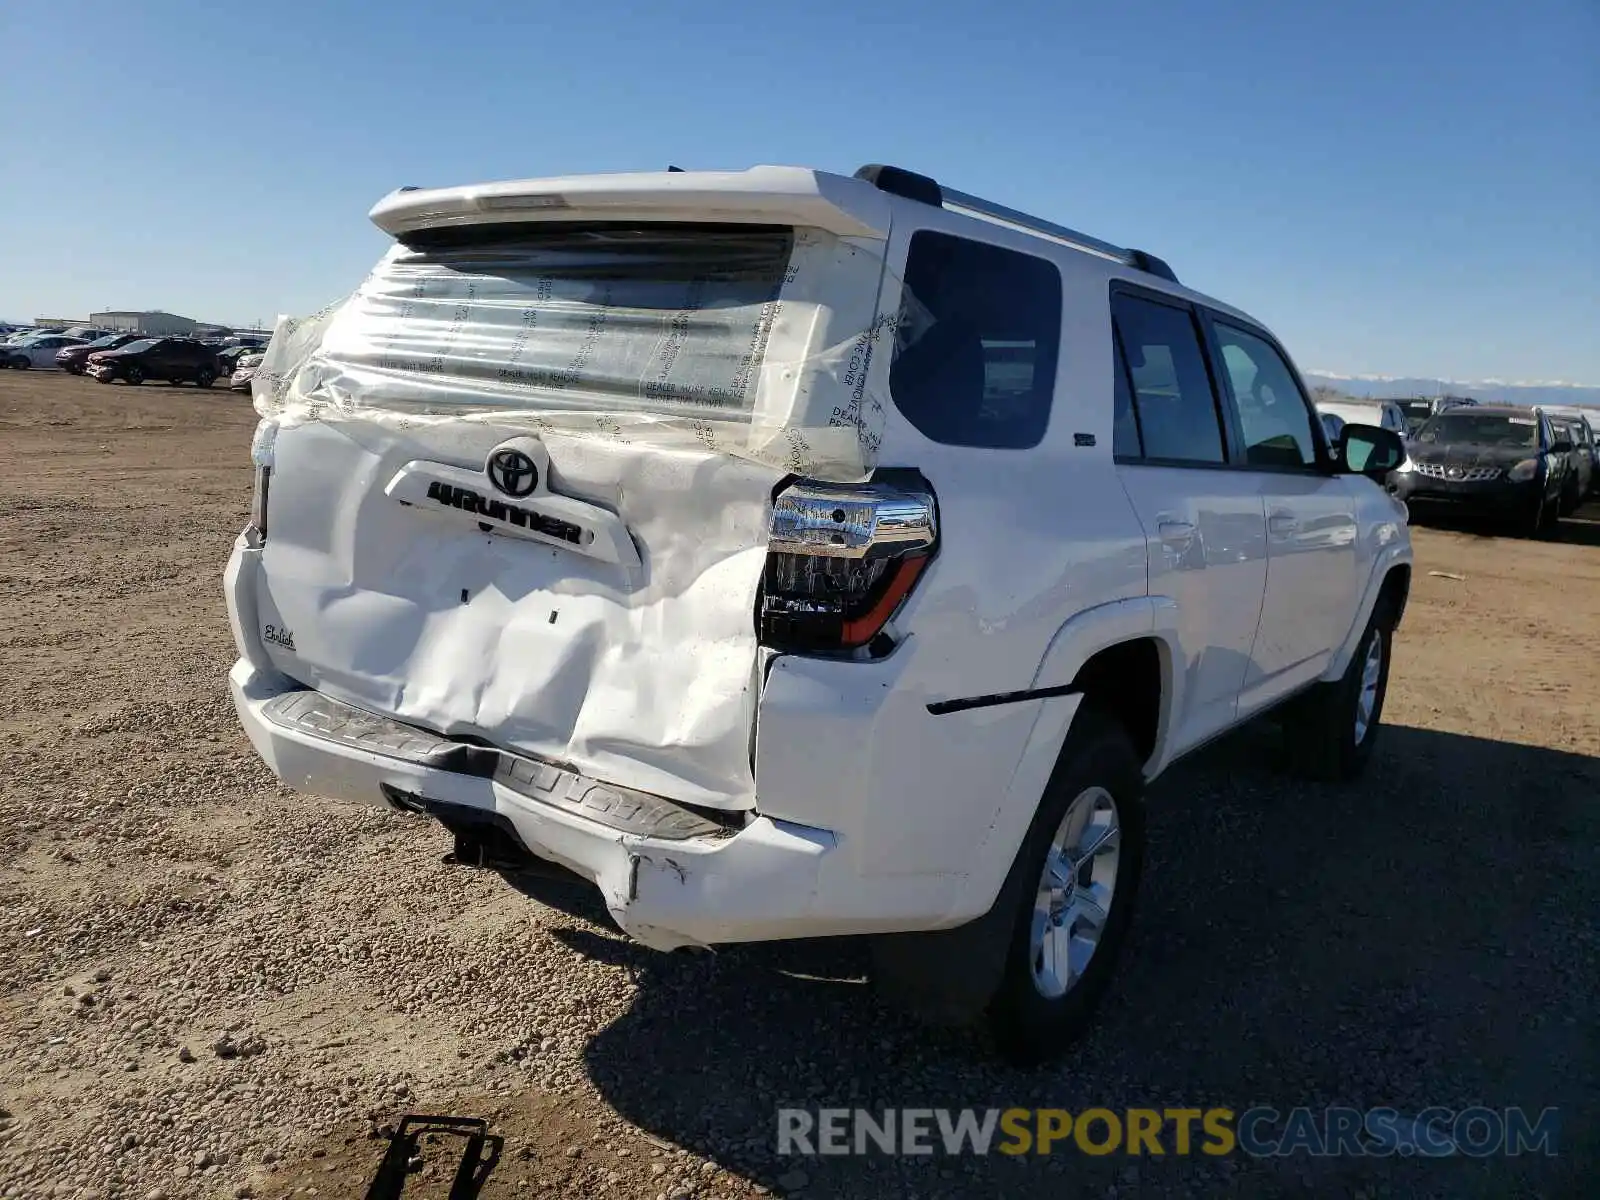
(258, 505)
(840, 560)
(263, 448)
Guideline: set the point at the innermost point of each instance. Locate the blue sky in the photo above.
(1395, 186)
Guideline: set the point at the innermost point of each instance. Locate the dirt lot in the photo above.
(211, 986)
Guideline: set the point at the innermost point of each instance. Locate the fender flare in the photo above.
(1079, 639)
(1394, 555)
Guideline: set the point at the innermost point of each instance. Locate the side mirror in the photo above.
(1561, 446)
(1370, 451)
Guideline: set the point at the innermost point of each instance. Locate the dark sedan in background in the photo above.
(1580, 460)
(75, 359)
(1488, 461)
(173, 359)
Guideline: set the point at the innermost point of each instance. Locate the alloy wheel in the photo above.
(1075, 893)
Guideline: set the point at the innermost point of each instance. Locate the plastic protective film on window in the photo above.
(752, 341)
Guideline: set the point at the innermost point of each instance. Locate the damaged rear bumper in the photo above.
(687, 882)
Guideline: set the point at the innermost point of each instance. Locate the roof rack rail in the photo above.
(901, 182)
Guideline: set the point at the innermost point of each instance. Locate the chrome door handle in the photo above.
(1283, 524)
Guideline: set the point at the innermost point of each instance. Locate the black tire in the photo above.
(1320, 727)
(1537, 521)
(1549, 520)
(22, 362)
(133, 373)
(1028, 1026)
(205, 377)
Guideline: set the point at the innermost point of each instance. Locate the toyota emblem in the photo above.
(513, 472)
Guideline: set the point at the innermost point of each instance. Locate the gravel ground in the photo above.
(211, 986)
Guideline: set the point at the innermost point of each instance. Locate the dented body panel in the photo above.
(641, 671)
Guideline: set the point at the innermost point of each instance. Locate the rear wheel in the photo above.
(1072, 887)
(21, 362)
(1331, 730)
(205, 377)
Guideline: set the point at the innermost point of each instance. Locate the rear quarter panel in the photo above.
(1028, 539)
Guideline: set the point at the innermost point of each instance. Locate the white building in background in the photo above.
(155, 322)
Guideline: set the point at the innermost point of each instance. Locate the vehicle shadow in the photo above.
(1423, 937)
(1580, 528)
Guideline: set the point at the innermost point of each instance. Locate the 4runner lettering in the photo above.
(470, 501)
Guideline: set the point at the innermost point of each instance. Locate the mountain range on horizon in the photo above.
(1485, 391)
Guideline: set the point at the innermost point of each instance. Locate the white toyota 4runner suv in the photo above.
(793, 555)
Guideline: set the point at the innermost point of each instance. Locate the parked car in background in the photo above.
(1580, 461)
(1487, 461)
(228, 357)
(1332, 428)
(1418, 409)
(1385, 414)
(245, 371)
(1586, 423)
(37, 350)
(74, 359)
(175, 360)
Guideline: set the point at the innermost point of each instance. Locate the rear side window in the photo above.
(1175, 406)
(1125, 441)
(975, 363)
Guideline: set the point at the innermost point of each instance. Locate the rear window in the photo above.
(975, 361)
(659, 317)
(1481, 429)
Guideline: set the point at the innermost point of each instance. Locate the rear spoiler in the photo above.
(758, 196)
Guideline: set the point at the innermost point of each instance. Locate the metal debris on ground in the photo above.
(404, 1155)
